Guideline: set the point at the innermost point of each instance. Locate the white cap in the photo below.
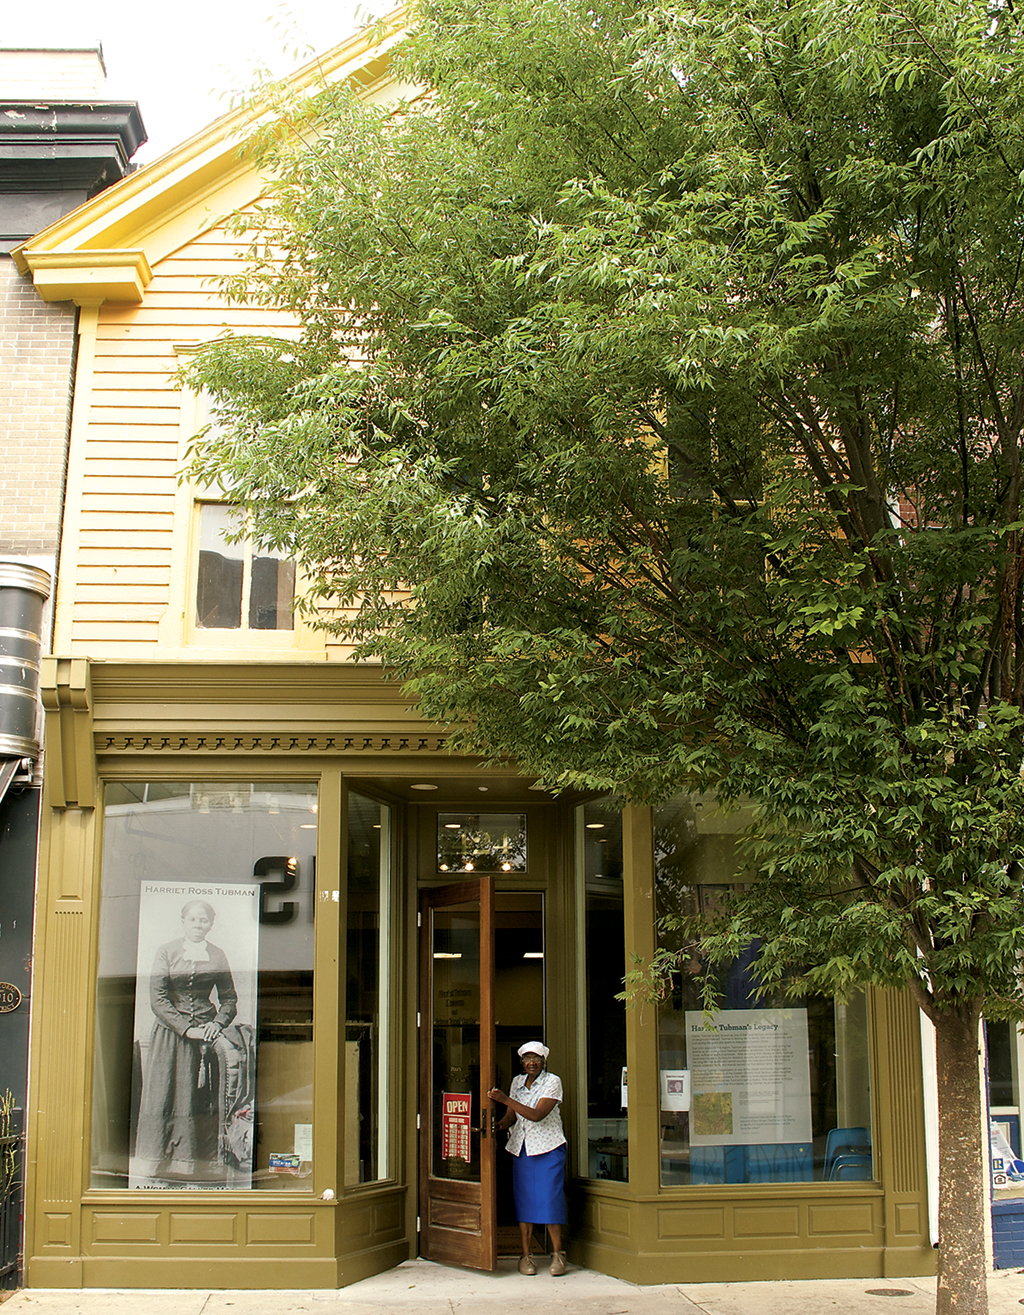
(535, 1048)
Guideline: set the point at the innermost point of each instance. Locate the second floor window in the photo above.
(240, 586)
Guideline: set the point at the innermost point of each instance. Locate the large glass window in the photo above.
(600, 843)
(203, 1072)
(1004, 1053)
(765, 1088)
(366, 993)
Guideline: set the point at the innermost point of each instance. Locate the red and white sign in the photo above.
(455, 1115)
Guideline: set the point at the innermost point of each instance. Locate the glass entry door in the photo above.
(457, 1209)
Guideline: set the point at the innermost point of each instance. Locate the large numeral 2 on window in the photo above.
(277, 875)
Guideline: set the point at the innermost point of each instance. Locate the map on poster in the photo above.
(750, 1077)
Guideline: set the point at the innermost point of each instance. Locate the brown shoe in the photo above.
(526, 1265)
(557, 1263)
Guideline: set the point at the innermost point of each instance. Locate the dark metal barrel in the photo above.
(23, 591)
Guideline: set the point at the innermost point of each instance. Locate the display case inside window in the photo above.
(203, 1070)
(600, 844)
(766, 1087)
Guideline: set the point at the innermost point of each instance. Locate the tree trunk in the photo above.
(963, 1257)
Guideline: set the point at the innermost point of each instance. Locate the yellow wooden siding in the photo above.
(128, 518)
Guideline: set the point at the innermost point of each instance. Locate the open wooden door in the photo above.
(457, 1205)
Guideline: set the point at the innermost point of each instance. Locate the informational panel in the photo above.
(750, 1077)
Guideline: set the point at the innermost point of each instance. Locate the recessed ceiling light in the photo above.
(534, 954)
(595, 826)
(423, 786)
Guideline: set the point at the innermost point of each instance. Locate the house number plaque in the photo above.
(10, 997)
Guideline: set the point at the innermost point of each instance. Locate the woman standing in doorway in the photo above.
(538, 1144)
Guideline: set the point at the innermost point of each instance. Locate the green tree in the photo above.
(684, 449)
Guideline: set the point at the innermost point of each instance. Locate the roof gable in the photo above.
(105, 249)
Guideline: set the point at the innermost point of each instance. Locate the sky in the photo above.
(187, 61)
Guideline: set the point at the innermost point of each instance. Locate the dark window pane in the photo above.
(219, 587)
(605, 968)
(366, 1003)
(219, 594)
(999, 1037)
(272, 593)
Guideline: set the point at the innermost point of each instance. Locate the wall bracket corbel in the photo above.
(66, 689)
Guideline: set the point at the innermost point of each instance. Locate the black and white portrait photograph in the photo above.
(193, 1086)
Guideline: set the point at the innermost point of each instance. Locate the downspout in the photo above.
(24, 590)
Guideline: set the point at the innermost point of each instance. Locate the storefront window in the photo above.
(1004, 1056)
(766, 1088)
(366, 994)
(600, 843)
(203, 1074)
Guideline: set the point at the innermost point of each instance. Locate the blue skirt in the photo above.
(538, 1185)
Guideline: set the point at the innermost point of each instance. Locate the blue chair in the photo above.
(851, 1168)
(848, 1154)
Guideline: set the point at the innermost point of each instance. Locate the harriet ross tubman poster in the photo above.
(193, 1099)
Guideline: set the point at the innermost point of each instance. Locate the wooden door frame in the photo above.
(456, 1243)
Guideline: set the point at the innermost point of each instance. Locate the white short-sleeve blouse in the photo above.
(546, 1134)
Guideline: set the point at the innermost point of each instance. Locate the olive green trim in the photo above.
(233, 719)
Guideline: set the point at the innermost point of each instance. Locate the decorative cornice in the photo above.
(268, 743)
(130, 214)
(52, 144)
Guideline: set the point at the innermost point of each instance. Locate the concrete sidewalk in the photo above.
(419, 1287)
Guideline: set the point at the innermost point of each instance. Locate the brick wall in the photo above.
(37, 343)
(1008, 1233)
